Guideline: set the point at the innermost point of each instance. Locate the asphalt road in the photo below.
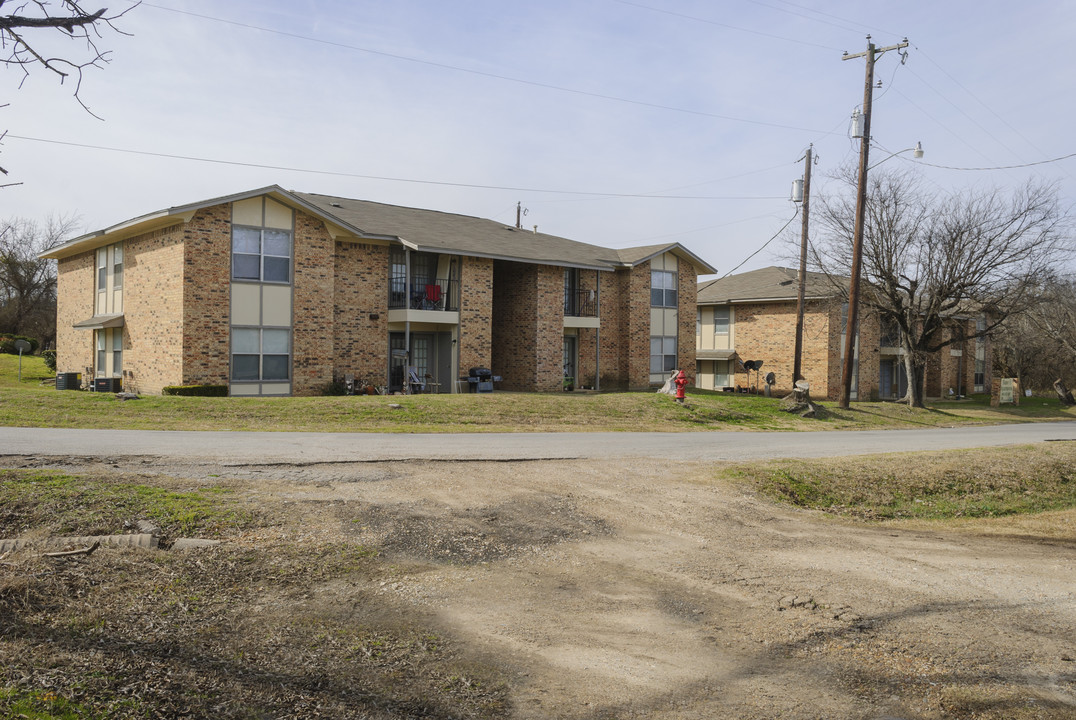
(255, 448)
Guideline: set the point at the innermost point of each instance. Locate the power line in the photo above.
(756, 252)
(384, 178)
(999, 167)
(481, 73)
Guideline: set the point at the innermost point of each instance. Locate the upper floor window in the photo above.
(102, 269)
(117, 266)
(261, 254)
(663, 291)
(721, 321)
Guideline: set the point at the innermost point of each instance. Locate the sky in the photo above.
(612, 122)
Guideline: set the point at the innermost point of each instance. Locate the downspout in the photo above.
(407, 322)
(598, 331)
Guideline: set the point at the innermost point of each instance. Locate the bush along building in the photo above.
(274, 292)
(752, 316)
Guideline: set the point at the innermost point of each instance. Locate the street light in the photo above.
(917, 153)
(851, 328)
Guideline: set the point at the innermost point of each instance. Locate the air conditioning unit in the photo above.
(69, 381)
(112, 385)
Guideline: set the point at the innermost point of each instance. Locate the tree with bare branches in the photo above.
(23, 44)
(28, 282)
(1039, 346)
(931, 261)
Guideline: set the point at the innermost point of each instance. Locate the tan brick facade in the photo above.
(179, 310)
(207, 248)
(766, 331)
(313, 285)
(476, 314)
(153, 310)
(75, 297)
(360, 311)
(528, 326)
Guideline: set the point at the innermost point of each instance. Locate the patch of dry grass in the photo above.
(1023, 490)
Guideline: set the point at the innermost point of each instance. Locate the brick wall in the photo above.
(361, 288)
(767, 332)
(686, 314)
(613, 358)
(515, 315)
(312, 306)
(153, 306)
(476, 314)
(528, 326)
(636, 327)
(75, 293)
(207, 247)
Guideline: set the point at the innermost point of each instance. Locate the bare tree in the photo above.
(930, 259)
(1039, 346)
(25, 46)
(27, 282)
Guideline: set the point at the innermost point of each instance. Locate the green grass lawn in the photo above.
(34, 402)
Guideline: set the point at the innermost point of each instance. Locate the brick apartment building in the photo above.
(273, 292)
(752, 316)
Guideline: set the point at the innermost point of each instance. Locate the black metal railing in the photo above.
(424, 294)
(580, 303)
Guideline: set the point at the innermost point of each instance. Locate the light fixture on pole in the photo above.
(852, 324)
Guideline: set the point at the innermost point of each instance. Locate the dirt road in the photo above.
(623, 589)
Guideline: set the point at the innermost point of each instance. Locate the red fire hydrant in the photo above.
(681, 383)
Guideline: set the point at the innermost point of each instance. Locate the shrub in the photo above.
(49, 356)
(196, 390)
(7, 344)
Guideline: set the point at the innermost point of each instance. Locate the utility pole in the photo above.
(797, 368)
(852, 324)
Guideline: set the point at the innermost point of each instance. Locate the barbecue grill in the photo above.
(480, 380)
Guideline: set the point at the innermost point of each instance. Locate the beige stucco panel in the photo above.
(246, 304)
(248, 212)
(277, 215)
(276, 305)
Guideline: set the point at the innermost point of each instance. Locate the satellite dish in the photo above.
(758, 364)
(749, 364)
(771, 378)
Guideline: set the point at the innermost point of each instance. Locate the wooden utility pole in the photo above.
(851, 327)
(797, 365)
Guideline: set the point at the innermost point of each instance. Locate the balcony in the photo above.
(580, 303)
(429, 294)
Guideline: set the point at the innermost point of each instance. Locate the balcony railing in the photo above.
(580, 303)
(424, 294)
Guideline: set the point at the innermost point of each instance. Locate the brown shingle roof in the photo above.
(771, 284)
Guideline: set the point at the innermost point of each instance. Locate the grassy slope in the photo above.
(30, 403)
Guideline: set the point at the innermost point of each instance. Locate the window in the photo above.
(662, 355)
(721, 321)
(117, 266)
(260, 354)
(261, 254)
(117, 352)
(890, 333)
(662, 288)
(698, 323)
(102, 355)
(102, 269)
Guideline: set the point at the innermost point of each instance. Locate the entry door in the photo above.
(570, 356)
